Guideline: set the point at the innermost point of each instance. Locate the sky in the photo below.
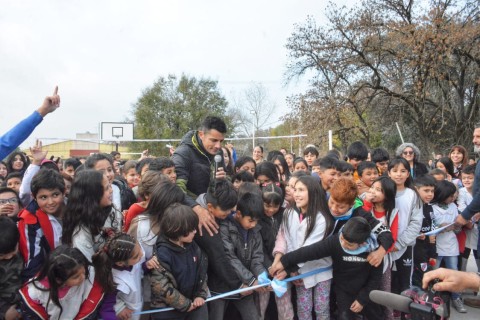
(103, 54)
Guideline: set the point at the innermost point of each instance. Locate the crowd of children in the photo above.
(101, 238)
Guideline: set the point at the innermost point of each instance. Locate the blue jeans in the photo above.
(450, 263)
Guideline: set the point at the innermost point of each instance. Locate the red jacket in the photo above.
(36, 239)
(32, 309)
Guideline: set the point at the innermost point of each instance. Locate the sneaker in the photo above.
(458, 304)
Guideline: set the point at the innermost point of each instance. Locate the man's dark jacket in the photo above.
(194, 167)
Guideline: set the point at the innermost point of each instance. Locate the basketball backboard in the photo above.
(116, 131)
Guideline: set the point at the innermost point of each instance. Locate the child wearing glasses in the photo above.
(9, 203)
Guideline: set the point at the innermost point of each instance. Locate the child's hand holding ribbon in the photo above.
(275, 268)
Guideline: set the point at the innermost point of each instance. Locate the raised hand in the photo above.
(50, 103)
(37, 153)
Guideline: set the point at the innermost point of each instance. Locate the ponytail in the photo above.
(118, 248)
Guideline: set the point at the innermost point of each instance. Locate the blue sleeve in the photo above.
(234, 155)
(13, 138)
(474, 206)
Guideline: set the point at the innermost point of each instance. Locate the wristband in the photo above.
(252, 281)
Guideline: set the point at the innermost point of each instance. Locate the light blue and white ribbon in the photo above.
(278, 286)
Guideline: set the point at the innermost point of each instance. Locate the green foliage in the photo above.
(171, 107)
(281, 130)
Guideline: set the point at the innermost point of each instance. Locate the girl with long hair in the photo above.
(459, 156)
(380, 201)
(282, 165)
(227, 158)
(410, 218)
(307, 222)
(89, 212)
(446, 165)
(64, 289)
(17, 162)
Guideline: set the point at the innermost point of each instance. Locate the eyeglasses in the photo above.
(407, 153)
(11, 200)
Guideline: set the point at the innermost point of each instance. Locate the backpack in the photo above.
(127, 196)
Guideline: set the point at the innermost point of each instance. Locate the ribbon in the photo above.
(278, 286)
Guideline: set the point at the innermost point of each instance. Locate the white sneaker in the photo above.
(458, 305)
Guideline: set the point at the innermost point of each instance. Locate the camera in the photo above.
(415, 303)
(429, 304)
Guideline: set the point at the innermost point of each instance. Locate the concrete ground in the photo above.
(473, 313)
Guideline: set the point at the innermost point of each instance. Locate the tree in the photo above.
(253, 109)
(171, 107)
(415, 63)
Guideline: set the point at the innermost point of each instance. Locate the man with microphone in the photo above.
(198, 162)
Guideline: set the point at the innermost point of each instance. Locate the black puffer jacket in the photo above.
(194, 167)
(182, 276)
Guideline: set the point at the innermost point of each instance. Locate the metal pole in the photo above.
(253, 134)
(399, 132)
(330, 142)
(253, 137)
(299, 146)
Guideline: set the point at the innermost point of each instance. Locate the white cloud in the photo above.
(102, 54)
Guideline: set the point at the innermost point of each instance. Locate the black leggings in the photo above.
(402, 277)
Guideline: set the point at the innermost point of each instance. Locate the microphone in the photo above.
(218, 159)
(400, 303)
(391, 300)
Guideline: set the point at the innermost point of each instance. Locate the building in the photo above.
(84, 145)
